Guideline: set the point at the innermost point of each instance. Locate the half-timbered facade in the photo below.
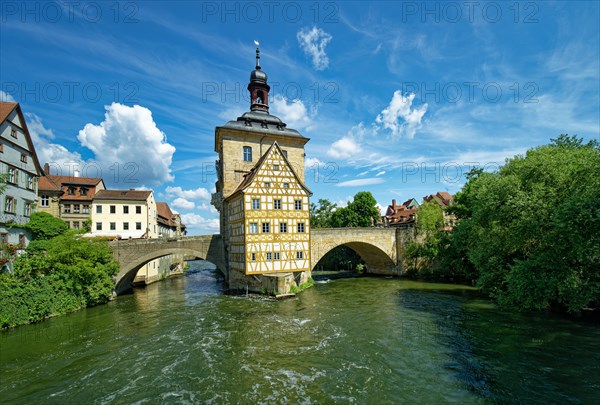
(269, 218)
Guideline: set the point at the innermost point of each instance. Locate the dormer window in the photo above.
(71, 191)
(13, 133)
(83, 191)
(23, 158)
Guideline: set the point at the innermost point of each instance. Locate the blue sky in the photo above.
(398, 98)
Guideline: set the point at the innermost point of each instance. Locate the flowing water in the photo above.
(353, 340)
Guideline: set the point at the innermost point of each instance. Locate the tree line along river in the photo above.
(350, 340)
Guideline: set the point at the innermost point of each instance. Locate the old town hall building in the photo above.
(260, 191)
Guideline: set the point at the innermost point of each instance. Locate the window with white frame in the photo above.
(283, 227)
(45, 200)
(247, 154)
(253, 227)
(266, 227)
(255, 204)
(301, 227)
(276, 204)
(299, 255)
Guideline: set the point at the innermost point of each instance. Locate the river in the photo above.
(349, 340)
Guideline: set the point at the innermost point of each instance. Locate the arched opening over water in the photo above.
(125, 277)
(372, 257)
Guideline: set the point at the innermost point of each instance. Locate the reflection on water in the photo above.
(365, 340)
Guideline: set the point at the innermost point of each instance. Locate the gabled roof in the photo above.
(6, 109)
(248, 177)
(133, 195)
(47, 184)
(163, 210)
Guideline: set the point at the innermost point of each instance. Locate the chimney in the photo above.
(393, 203)
(75, 173)
(46, 169)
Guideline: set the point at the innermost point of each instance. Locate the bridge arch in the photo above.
(376, 246)
(133, 254)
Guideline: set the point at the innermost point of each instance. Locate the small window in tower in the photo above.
(284, 153)
(253, 256)
(275, 168)
(267, 184)
(286, 185)
(247, 154)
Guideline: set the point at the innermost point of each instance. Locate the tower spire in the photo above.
(258, 87)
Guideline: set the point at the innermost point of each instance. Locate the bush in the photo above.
(55, 277)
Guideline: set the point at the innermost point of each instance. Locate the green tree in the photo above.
(44, 226)
(532, 230)
(320, 215)
(364, 209)
(420, 253)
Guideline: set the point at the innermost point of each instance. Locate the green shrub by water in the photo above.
(55, 277)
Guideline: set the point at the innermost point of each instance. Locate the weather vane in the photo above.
(257, 54)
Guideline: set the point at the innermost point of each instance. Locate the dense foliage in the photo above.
(70, 273)
(420, 254)
(361, 211)
(531, 231)
(44, 226)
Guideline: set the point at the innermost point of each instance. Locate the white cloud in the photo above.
(196, 194)
(183, 204)
(293, 113)
(201, 224)
(5, 97)
(381, 173)
(360, 182)
(400, 108)
(313, 42)
(129, 138)
(313, 163)
(344, 148)
(61, 160)
(382, 209)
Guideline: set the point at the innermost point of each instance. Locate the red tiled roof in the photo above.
(133, 195)
(45, 183)
(74, 181)
(5, 109)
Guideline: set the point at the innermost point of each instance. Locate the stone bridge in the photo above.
(380, 248)
(133, 254)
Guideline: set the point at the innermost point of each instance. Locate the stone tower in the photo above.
(241, 145)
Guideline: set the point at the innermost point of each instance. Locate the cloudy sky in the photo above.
(398, 98)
